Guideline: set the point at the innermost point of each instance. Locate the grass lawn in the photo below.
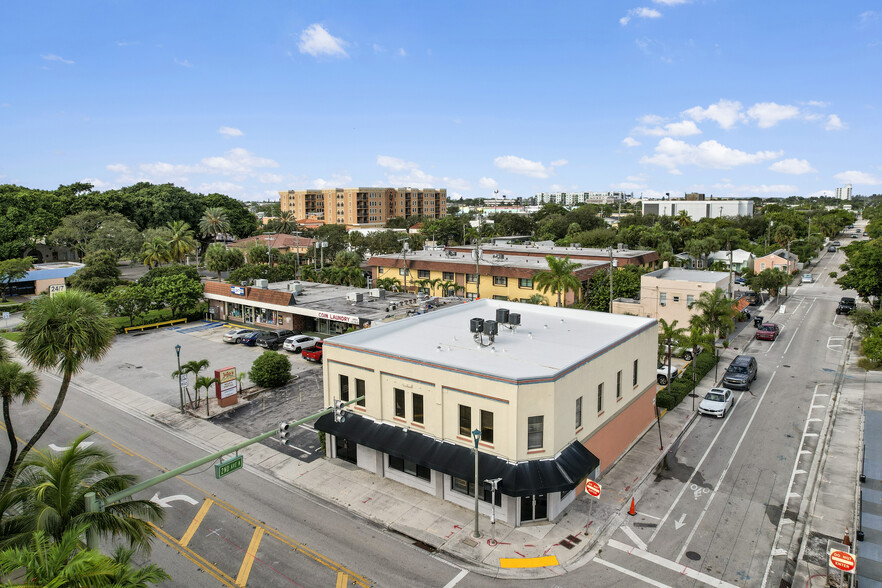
(12, 336)
(154, 316)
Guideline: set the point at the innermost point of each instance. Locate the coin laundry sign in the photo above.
(343, 318)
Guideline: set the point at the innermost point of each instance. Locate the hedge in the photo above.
(682, 385)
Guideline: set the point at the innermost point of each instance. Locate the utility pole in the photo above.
(405, 247)
(297, 267)
(478, 259)
(611, 263)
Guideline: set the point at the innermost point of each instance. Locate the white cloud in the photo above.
(335, 181)
(768, 114)
(183, 62)
(671, 153)
(402, 52)
(98, 184)
(683, 128)
(488, 183)
(230, 132)
(127, 43)
(394, 163)
(270, 178)
(521, 166)
(834, 123)
(868, 17)
(650, 119)
(726, 113)
(639, 12)
(316, 41)
(228, 188)
(627, 186)
(53, 57)
(671, 2)
(119, 168)
(558, 162)
(858, 177)
(792, 166)
(379, 48)
(768, 189)
(819, 104)
(235, 162)
(630, 142)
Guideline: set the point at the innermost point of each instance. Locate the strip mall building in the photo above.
(556, 399)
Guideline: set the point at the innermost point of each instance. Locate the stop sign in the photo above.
(592, 488)
(842, 560)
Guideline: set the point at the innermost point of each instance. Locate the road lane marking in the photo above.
(666, 563)
(245, 569)
(342, 580)
(164, 502)
(628, 572)
(462, 574)
(692, 475)
(197, 520)
(194, 557)
(792, 339)
(58, 449)
(633, 537)
(725, 470)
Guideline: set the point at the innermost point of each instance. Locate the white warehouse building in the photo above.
(699, 209)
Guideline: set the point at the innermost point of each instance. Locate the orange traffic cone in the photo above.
(846, 540)
(632, 511)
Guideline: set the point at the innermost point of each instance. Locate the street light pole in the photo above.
(180, 387)
(476, 434)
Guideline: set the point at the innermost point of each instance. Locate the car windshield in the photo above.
(714, 397)
(767, 328)
(737, 369)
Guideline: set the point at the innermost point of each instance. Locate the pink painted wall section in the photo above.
(617, 435)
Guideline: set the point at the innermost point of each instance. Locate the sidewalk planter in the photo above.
(683, 385)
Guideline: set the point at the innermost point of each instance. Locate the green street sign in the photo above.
(226, 467)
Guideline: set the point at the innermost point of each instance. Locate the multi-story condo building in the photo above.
(549, 396)
(844, 193)
(359, 207)
(576, 198)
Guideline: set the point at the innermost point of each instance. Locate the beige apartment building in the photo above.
(556, 395)
(669, 293)
(359, 207)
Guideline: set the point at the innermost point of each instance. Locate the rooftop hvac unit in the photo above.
(296, 288)
(514, 319)
(261, 283)
(476, 325)
(502, 315)
(491, 327)
(355, 297)
(377, 293)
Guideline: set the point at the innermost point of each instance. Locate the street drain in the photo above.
(693, 556)
(425, 546)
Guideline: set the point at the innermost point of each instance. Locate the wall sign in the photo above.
(343, 318)
(237, 290)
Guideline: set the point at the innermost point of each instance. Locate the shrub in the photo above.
(271, 369)
(682, 386)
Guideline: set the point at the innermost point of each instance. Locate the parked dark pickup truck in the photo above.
(313, 353)
(273, 339)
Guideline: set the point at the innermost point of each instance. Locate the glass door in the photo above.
(534, 508)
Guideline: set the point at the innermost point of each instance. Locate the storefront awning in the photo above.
(526, 478)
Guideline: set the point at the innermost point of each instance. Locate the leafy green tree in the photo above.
(626, 284)
(174, 269)
(16, 385)
(270, 369)
(118, 235)
(65, 563)
(99, 275)
(155, 252)
(510, 223)
(347, 259)
(76, 230)
(61, 333)
(182, 241)
(12, 270)
(537, 299)
(28, 215)
(559, 278)
(216, 259)
(243, 222)
(258, 253)
(553, 227)
(131, 301)
(863, 268)
(600, 238)
(49, 491)
(717, 312)
(771, 280)
(178, 292)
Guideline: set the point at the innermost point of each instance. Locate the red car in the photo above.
(768, 331)
(313, 353)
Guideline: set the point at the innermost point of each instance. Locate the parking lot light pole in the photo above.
(476, 434)
(180, 387)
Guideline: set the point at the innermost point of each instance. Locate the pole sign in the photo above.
(228, 466)
(226, 384)
(842, 560)
(592, 488)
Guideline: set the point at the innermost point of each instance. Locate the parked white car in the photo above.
(807, 278)
(298, 343)
(717, 402)
(661, 374)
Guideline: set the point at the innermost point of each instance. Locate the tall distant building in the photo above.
(844, 193)
(359, 207)
(576, 198)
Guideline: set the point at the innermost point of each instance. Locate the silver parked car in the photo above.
(236, 335)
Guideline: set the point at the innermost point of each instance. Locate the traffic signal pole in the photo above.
(96, 504)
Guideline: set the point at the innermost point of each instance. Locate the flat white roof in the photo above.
(687, 275)
(548, 343)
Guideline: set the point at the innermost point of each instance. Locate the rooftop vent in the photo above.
(355, 297)
(261, 283)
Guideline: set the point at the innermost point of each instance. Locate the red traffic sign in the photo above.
(842, 560)
(592, 488)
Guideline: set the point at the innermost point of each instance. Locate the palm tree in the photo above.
(191, 367)
(537, 299)
(66, 563)
(694, 339)
(155, 252)
(287, 222)
(50, 492)
(446, 286)
(214, 222)
(60, 332)
(388, 283)
(559, 278)
(433, 285)
(716, 312)
(216, 259)
(16, 384)
(683, 219)
(182, 241)
(203, 382)
(668, 336)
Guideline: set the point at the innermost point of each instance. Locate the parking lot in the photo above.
(144, 362)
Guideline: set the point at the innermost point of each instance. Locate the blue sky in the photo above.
(730, 98)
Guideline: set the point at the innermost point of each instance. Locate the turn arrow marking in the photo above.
(681, 522)
(84, 444)
(164, 502)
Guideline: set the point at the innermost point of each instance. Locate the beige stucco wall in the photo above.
(444, 390)
(673, 310)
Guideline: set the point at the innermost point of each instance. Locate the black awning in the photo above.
(539, 476)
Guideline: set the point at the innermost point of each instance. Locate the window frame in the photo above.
(400, 403)
(619, 385)
(344, 389)
(600, 398)
(636, 365)
(360, 391)
(579, 412)
(537, 424)
(465, 414)
(484, 427)
(526, 283)
(419, 415)
(500, 281)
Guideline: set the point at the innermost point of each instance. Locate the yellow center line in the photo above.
(245, 569)
(197, 520)
(342, 580)
(194, 557)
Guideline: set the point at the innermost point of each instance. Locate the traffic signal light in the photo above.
(339, 413)
(284, 431)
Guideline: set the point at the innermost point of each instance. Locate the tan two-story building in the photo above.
(555, 396)
(670, 292)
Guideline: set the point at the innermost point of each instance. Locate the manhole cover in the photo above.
(693, 556)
